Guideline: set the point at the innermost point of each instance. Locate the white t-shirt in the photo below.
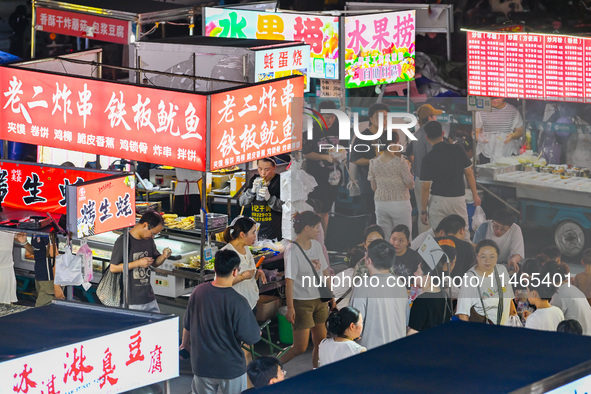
(384, 309)
(510, 243)
(247, 288)
(298, 269)
(573, 303)
(331, 351)
(546, 319)
(343, 282)
(7, 278)
(469, 298)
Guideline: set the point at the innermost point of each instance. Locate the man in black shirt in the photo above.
(319, 163)
(263, 194)
(142, 255)
(455, 229)
(442, 176)
(217, 320)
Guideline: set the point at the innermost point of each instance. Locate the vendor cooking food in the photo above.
(498, 131)
(263, 193)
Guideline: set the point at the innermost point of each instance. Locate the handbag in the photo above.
(477, 317)
(109, 288)
(325, 293)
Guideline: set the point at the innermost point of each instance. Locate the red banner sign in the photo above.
(533, 66)
(82, 25)
(101, 206)
(256, 122)
(117, 120)
(39, 188)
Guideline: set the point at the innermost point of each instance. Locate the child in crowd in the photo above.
(551, 253)
(265, 371)
(570, 326)
(344, 327)
(546, 317)
(528, 267)
(583, 279)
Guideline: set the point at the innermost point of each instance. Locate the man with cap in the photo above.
(418, 150)
(442, 179)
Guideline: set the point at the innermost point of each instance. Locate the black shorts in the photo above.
(324, 196)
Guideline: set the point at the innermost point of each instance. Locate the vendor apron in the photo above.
(496, 148)
(269, 220)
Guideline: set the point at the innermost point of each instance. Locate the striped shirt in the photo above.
(495, 126)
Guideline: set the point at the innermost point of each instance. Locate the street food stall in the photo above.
(554, 68)
(215, 60)
(69, 347)
(141, 123)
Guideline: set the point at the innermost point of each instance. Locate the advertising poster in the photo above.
(82, 25)
(379, 49)
(276, 63)
(101, 206)
(320, 32)
(104, 118)
(113, 363)
(255, 122)
(37, 187)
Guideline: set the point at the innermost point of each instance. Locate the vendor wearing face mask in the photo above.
(263, 194)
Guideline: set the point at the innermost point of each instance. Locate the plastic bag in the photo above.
(478, 218)
(334, 177)
(304, 182)
(68, 269)
(353, 185)
(85, 253)
(514, 321)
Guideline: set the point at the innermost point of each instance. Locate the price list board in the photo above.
(532, 66)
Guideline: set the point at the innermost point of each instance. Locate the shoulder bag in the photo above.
(109, 288)
(477, 317)
(325, 293)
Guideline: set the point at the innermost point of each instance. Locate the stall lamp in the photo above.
(132, 39)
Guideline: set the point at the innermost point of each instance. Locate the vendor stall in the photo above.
(69, 347)
(214, 59)
(120, 22)
(548, 196)
(251, 122)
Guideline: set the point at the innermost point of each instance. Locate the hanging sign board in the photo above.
(37, 187)
(379, 48)
(531, 66)
(109, 364)
(83, 25)
(255, 122)
(104, 118)
(101, 206)
(320, 32)
(283, 62)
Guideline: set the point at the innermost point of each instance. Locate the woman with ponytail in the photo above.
(344, 327)
(240, 235)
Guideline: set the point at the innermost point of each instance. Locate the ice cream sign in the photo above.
(379, 48)
(320, 32)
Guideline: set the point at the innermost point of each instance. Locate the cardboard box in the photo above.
(267, 307)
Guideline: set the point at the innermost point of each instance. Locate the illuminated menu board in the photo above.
(532, 66)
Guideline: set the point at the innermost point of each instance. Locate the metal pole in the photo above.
(191, 24)
(126, 267)
(33, 42)
(204, 188)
